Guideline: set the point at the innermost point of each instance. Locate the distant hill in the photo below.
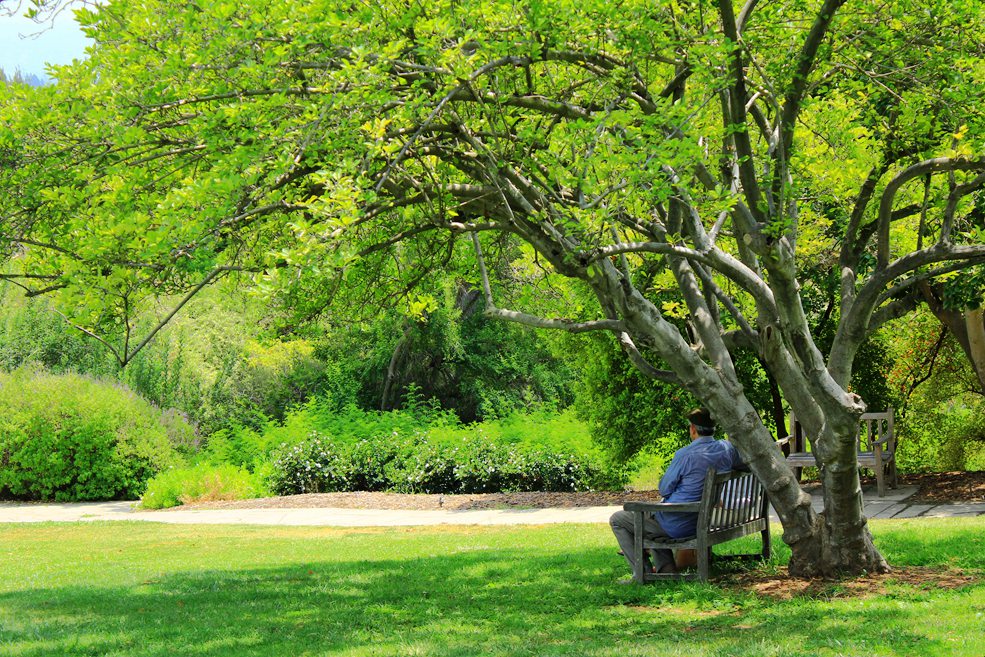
(29, 79)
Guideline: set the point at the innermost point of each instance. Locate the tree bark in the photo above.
(844, 544)
(393, 369)
(828, 545)
(975, 326)
(967, 327)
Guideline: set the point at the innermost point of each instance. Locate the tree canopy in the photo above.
(682, 175)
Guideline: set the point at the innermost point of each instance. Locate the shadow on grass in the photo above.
(493, 602)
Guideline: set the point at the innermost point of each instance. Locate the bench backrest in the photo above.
(873, 427)
(877, 427)
(731, 499)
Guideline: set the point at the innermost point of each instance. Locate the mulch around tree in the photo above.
(946, 487)
(781, 586)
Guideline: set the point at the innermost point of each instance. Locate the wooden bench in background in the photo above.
(732, 505)
(876, 441)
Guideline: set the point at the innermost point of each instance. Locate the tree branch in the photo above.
(935, 165)
(737, 108)
(174, 311)
(531, 320)
(956, 195)
(642, 364)
(805, 63)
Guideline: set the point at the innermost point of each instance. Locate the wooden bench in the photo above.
(876, 441)
(732, 505)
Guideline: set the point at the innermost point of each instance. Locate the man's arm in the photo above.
(672, 477)
(737, 462)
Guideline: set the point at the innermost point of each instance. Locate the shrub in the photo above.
(484, 467)
(314, 465)
(429, 468)
(201, 483)
(238, 445)
(419, 465)
(71, 438)
(945, 438)
(373, 462)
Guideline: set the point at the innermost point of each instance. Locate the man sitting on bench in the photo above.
(682, 482)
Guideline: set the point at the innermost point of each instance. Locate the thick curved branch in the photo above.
(642, 364)
(569, 325)
(854, 325)
(959, 192)
(893, 311)
(714, 258)
(906, 284)
(935, 165)
(745, 14)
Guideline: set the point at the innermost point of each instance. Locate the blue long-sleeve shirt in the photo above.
(685, 477)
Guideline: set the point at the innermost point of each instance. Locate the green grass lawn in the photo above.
(165, 590)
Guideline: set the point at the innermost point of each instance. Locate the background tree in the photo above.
(341, 155)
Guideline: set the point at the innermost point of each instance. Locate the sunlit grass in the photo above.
(162, 590)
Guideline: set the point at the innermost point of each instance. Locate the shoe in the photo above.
(667, 569)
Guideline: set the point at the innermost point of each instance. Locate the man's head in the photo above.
(701, 423)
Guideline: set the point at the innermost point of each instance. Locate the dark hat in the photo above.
(701, 419)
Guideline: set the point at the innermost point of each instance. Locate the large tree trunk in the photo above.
(845, 544)
(833, 543)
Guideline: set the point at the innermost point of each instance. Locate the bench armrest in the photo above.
(663, 507)
(884, 441)
(783, 441)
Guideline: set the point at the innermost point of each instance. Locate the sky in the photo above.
(59, 42)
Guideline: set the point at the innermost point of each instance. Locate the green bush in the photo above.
(314, 465)
(428, 468)
(420, 465)
(372, 462)
(201, 483)
(66, 437)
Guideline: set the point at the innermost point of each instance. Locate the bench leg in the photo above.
(767, 546)
(880, 471)
(704, 561)
(638, 562)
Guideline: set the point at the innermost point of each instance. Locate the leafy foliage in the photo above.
(70, 438)
(627, 411)
(418, 465)
(201, 483)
